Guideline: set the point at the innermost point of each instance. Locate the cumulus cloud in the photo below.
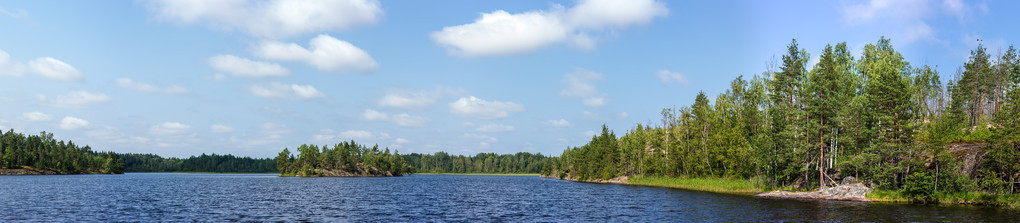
(47, 67)
(72, 123)
(558, 123)
(482, 109)
(363, 135)
(407, 120)
(285, 91)
(36, 117)
(501, 33)
(480, 137)
(77, 99)
(54, 69)
(169, 128)
(373, 115)
(220, 128)
(495, 128)
(145, 87)
(908, 19)
(271, 19)
(410, 99)
(402, 141)
(581, 84)
(237, 66)
(667, 77)
(9, 67)
(404, 119)
(324, 52)
(275, 131)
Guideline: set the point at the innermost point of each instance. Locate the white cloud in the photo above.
(667, 77)
(54, 69)
(589, 133)
(72, 123)
(237, 66)
(402, 141)
(409, 99)
(598, 14)
(908, 19)
(480, 137)
(558, 123)
(9, 67)
(495, 128)
(482, 109)
(373, 115)
(220, 128)
(77, 99)
(36, 116)
(483, 145)
(404, 119)
(271, 19)
(145, 87)
(275, 131)
(324, 52)
(501, 33)
(325, 136)
(285, 91)
(580, 84)
(363, 135)
(169, 128)
(623, 115)
(407, 120)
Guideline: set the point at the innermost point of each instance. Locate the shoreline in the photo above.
(480, 174)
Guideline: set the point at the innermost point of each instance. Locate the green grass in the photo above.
(969, 198)
(494, 174)
(717, 185)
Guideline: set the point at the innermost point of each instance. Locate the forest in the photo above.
(877, 118)
(43, 152)
(344, 159)
(205, 163)
(441, 162)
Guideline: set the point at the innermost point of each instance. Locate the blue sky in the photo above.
(181, 78)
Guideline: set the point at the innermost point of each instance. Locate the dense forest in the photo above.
(441, 162)
(344, 159)
(42, 152)
(877, 118)
(205, 163)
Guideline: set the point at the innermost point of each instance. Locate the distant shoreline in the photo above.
(481, 174)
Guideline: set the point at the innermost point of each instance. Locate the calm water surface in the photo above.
(266, 197)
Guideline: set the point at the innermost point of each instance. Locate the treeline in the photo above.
(441, 162)
(205, 163)
(876, 118)
(344, 159)
(42, 152)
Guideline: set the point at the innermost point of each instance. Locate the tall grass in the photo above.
(970, 197)
(718, 185)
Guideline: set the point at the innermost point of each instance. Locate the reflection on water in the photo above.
(265, 197)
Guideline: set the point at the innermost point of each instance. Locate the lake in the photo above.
(418, 198)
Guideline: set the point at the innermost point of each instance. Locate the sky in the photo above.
(249, 78)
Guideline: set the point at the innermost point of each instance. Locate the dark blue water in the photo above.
(263, 197)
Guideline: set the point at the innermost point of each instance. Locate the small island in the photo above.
(346, 159)
(43, 155)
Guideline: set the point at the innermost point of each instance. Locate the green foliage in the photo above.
(344, 159)
(920, 186)
(876, 118)
(442, 162)
(43, 152)
(205, 163)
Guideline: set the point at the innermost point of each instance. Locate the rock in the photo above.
(848, 191)
(848, 180)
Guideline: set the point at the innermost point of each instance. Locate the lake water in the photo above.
(418, 198)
